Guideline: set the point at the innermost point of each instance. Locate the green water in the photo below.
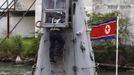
(112, 73)
(11, 69)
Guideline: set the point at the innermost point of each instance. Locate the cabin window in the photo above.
(55, 4)
(55, 13)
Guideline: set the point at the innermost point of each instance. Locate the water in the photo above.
(10, 69)
(113, 73)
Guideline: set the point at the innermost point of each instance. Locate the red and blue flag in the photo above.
(105, 30)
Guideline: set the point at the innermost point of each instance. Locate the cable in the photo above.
(3, 4)
(3, 12)
(17, 22)
(8, 8)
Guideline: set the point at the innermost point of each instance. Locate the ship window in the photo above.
(55, 4)
(55, 13)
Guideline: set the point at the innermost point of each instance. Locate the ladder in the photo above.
(58, 67)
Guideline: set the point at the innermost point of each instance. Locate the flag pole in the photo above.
(117, 38)
(117, 44)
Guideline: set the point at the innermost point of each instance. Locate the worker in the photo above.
(56, 43)
(56, 40)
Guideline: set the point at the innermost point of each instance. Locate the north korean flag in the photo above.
(105, 30)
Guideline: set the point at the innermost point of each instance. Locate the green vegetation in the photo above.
(17, 45)
(105, 49)
(96, 18)
(30, 47)
(124, 24)
(107, 54)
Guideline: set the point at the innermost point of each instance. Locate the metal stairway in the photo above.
(58, 67)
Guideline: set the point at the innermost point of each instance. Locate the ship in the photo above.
(65, 46)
